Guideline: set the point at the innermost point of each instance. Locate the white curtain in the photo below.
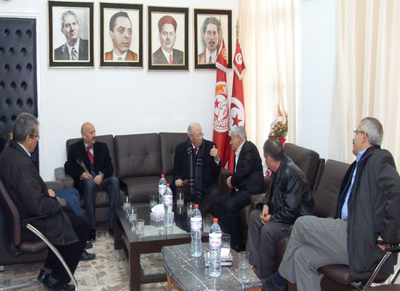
(368, 73)
(269, 38)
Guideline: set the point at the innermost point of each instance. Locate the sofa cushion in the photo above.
(107, 139)
(325, 197)
(307, 160)
(138, 155)
(168, 142)
(140, 188)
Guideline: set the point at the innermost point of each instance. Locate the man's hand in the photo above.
(98, 179)
(229, 182)
(214, 154)
(86, 176)
(383, 247)
(265, 216)
(51, 193)
(178, 183)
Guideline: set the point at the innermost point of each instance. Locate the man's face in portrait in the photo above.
(121, 35)
(167, 37)
(70, 29)
(211, 37)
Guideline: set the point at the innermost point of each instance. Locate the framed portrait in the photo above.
(211, 26)
(168, 29)
(121, 35)
(70, 34)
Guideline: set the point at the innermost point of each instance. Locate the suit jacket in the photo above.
(130, 56)
(102, 161)
(249, 174)
(373, 210)
(159, 57)
(201, 58)
(61, 53)
(29, 193)
(211, 169)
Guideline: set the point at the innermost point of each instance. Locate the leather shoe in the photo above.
(87, 256)
(43, 276)
(88, 245)
(92, 236)
(239, 248)
(58, 286)
(268, 285)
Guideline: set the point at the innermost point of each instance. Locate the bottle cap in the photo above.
(162, 176)
(196, 206)
(215, 220)
(167, 184)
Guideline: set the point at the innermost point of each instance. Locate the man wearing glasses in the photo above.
(365, 222)
(196, 169)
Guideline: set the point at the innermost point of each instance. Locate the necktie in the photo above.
(194, 153)
(91, 159)
(170, 59)
(210, 61)
(74, 54)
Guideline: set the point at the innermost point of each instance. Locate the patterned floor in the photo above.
(107, 272)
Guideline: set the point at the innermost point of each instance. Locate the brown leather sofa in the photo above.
(307, 160)
(138, 160)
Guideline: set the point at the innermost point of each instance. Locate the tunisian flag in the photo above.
(221, 107)
(237, 116)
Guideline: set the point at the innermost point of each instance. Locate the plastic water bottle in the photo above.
(161, 188)
(215, 249)
(196, 248)
(168, 203)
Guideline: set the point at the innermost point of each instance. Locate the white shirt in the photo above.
(237, 153)
(116, 57)
(76, 46)
(213, 56)
(28, 153)
(167, 54)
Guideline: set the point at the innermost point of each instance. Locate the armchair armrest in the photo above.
(255, 199)
(54, 185)
(67, 180)
(223, 187)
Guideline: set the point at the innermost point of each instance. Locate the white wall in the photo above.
(117, 101)
(318, 66)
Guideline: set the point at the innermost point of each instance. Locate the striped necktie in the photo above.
(74, 54)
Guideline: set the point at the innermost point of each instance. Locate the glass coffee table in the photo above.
(187, 273)
(151, 241)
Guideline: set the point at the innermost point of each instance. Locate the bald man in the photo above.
(89, 163)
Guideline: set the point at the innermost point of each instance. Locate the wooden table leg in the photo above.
(134, 269)
(117, 234)
(169, 283)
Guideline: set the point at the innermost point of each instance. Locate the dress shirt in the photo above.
(76, 46)
(91, 149)
(116, 57)
(345, 210)
(237, 153)
(213, 56)
(167, 54)
(28, 153)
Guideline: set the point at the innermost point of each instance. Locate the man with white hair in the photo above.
(196, 169)
(365, 223)
(246, 180)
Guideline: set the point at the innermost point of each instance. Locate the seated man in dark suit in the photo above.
(66, 230)
(197, 162)
(288, 197)
(75, 48)
(89, 163)
(246, 180)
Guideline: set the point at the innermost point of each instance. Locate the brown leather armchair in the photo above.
(14, 242)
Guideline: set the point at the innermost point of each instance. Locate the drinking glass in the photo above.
(180, 199)
(153, 199)
(207, 222)
(243, 258)
(189, 209)
(132, 214)
(226, 242)
(140, 227)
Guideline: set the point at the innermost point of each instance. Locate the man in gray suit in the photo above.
(166, 54)
(75, 47)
